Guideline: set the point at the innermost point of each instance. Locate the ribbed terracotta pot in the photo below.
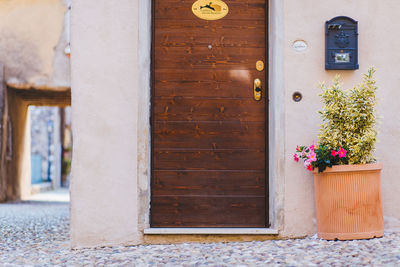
(349, 202)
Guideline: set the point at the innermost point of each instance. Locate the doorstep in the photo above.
(210, 231)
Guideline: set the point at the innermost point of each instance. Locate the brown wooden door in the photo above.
(208, 132)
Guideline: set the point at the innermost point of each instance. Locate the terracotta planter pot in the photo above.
(348, 202)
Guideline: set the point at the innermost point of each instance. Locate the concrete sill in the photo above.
(210, 231)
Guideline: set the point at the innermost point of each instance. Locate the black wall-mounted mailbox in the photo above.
(341, 41)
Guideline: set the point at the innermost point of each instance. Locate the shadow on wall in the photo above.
(21, 59)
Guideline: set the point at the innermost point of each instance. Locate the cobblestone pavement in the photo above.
(36, 234)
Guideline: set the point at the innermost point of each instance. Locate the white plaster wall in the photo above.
(105, 88)
(378, 46)
(32, 43)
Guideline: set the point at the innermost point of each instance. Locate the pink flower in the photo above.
(312, 147)
(312, 157)
(342, 153)
(333, 153)
(309, 167)
(307, 163)
(296, 158)
(298, 149)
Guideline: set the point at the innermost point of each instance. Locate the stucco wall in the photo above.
(378, 24)
(105, 82)
(32, 42)
(109, 204)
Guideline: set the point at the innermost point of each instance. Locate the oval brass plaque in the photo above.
(210, 9)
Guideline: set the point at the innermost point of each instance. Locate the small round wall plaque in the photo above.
(300, 46)
(210, 9)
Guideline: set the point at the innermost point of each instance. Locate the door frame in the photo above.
(275, 114)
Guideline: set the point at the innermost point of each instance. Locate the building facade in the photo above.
(130, 62)
(34, 70)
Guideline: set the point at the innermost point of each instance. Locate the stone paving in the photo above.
(36, 234)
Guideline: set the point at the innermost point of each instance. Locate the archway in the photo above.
(15, 165)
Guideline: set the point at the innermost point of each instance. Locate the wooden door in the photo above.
(208, 131)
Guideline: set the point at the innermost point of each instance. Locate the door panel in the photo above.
(208, 132)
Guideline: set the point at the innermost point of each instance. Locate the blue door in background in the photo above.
(36, 165)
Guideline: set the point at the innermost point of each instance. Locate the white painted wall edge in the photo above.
(276, 119)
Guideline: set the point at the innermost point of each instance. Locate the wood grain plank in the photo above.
(214, 26)
(230, 159)
(204, 183)
(238, 10)
(232, 53)
(177, 33)
(208, 135)
(206, 60)
(209, 211)
(185, 109)
(202, 57)
(205, 83)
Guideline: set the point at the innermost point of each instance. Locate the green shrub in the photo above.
(349, 118)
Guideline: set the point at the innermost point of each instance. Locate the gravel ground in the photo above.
(36, 234)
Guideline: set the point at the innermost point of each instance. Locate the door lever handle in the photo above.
(257, 89)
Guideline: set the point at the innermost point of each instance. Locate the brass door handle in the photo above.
(257, 89)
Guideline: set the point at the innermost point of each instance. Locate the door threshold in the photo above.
(210, 231)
